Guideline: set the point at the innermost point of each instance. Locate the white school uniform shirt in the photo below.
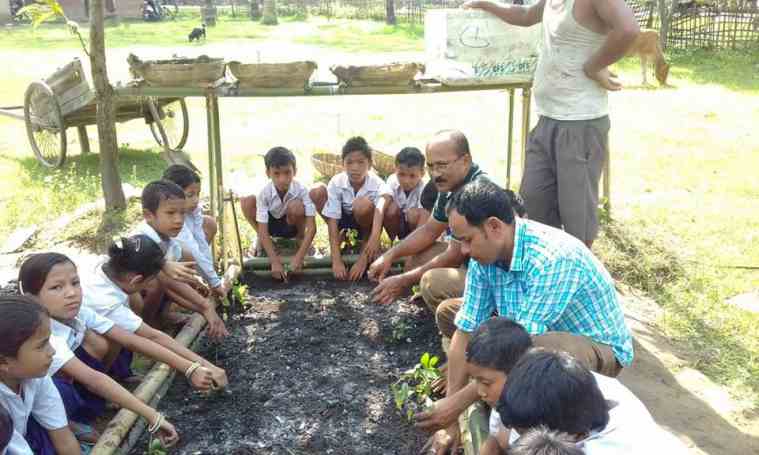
(631, 429)
(39, 398)
(193, 239)
(108, 300)
(66, 337)
(171, 246)
(268, 201)
(340, 194)
(412, 200)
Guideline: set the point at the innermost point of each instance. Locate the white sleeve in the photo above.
(334, 206)
(195, 243)
(18, 445)
(48, 407)
(94, 321)
(308, 204)
(262, 206)
(125, 318)
(62, 354)
(387, 187)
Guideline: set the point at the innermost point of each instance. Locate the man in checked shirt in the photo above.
(538, 276)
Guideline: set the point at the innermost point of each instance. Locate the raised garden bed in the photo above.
(310, 366)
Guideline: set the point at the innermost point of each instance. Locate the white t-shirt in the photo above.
(108, 300)
(193, 239)
(39, 398)
(268, 201)
(67, 337)
(631, 429)
(171, 246)
(340, 194)
(412, 200)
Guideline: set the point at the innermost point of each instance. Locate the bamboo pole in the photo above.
(263, 263)
(319, 272)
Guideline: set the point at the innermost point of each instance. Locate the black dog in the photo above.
(196, 33)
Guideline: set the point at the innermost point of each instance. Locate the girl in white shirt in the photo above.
(82, 341)
(26, 392)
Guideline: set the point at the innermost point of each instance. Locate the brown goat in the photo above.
(647, 47)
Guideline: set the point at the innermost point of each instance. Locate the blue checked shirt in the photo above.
(553, 284)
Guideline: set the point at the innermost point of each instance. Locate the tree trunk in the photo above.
(390, 12)
(666, 8)
(270, 13)
(255, 10)
(106, 112)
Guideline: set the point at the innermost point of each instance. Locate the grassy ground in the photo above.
(684, 188)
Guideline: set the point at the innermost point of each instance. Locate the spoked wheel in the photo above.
(175, 122)
(44, 125)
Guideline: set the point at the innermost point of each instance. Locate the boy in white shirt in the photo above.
(352, 200)
(283, 208)
(404, 188)
(198, 230)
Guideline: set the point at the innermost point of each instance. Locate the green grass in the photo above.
(37, 195)
(337, 33)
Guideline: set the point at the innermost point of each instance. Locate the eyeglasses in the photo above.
(441, 166)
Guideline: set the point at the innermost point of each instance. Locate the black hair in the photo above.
(279, 157)
(181, 175)
(460, 142)
(429, 196)
(410, 157)
(555, 390)
(481, 199)
(542, 441)
(138, 254)
(498, 343)
(517, 203)
(34, 271)
(6, 428)
(20, 317)
(160, 190)
(357, 144)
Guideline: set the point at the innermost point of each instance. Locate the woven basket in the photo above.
(199, 72)
(330, 164)
(273, 75)
(392, 74)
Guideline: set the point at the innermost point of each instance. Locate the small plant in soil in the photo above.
(413, 390)
(400, 331)
(350, 241)
(155, 447)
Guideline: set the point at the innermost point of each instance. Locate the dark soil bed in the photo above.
(310, 366)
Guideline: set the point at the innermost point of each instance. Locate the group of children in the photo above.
(356, 199)
(68, 338)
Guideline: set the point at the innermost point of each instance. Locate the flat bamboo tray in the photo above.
(331, 164)
(199, 72)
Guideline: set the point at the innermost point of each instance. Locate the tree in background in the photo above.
(269, 13)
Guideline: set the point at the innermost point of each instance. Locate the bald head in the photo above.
(450, 139)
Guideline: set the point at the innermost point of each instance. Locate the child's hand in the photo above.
(338, 269)
(358, 269)
(277, 269)
(180, 271)
(216, 329)
(296, 264)
(220, 378)
(168, 434)
(202, 379)
(371, 250)
(221, 290)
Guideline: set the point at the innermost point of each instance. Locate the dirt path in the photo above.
(682, 399)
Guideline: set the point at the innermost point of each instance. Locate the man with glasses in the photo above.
(435, 265)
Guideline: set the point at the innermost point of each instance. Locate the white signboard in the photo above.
(466, 45)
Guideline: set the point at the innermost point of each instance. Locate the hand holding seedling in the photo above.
(445, 412)
(379, 268)
(221, 290)
(358, 268)
(277, 269)
(181, 271)
(167, 434)
(202, 379)
(338, 269)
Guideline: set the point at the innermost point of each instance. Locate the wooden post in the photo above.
(526, 95)
(510, 138)
(84, 141)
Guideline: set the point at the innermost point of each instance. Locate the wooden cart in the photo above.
(65, 100)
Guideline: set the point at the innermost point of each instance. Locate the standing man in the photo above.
(567, 149)
(433, 264)
(535, 275)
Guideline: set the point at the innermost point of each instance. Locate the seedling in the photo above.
(401, 331)
(155, 447)
(350, 240)
(413, 390)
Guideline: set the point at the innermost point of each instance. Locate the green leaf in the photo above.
(433, 361)
(425, 360)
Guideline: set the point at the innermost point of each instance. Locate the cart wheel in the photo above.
(176, 124)
(44, 125)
